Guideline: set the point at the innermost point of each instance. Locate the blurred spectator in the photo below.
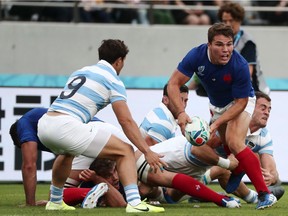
(233, 14)
(56, 14)
(91, 13)
(42, 13)
(161, 16)
(189, 16)
(125, 15)
(276, 17)
(213, 13)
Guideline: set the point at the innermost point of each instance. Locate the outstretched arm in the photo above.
(133, 133)
(175, 82)
(29, 169)
(269, 169)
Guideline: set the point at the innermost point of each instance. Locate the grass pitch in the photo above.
(12, 200)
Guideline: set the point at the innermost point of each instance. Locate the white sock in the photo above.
(132, 194)
(252, 197)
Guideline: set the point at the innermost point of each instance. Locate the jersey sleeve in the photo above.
(186, 66)
(241, 85)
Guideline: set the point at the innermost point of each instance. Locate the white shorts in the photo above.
(65, 134)
(82, 162)
(216, 112)
(176, 154)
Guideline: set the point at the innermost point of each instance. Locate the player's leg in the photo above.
(60, 172)
(235, 139)
(184, 183)
(222, 175)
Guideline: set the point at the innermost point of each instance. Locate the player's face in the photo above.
(228, 20)
(184, 98)
(220, 49)
(113, 178)
(262, 112)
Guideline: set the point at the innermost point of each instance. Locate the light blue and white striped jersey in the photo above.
(89, 90)
(159, 124)
(260, 141)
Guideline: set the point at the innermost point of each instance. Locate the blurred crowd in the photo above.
(183, 12)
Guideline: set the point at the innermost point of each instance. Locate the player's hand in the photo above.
(233, 162)
(183, 119)
(213, 129)
(153, 159)
(268, 177)
(87, 175)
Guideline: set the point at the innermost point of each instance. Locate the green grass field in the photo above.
(12, 200)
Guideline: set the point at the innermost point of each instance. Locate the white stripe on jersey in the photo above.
(153, 118)
(110, 77)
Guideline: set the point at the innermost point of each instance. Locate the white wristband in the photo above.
(224, 163)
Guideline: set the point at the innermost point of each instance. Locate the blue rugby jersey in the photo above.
(223, 83)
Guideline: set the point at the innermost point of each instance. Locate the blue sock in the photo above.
(132, 194)
(56, 194)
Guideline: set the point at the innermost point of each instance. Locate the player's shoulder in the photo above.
(264, 132)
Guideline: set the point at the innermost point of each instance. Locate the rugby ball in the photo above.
(197, 132)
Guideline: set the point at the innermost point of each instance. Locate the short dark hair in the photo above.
(235, 9)
(260, 94)
(110, 50)
(102, 167)
(219, 29)
(183, 88)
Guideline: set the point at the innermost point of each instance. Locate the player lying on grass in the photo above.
(102, 177)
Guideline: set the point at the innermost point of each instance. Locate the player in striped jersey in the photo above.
(160, 123)
(64, 130)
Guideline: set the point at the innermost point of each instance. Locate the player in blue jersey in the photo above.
(224, 74)
(86, 92)
(24, 135)
(160, 124)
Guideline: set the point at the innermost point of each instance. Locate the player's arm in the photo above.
(29, 169)
(133, 133)
(269, 169)
(175, 82)
(207, 155)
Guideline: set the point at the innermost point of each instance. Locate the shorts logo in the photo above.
(200, 70)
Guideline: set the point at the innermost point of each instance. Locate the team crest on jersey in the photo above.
(201, 70)
(227, 78)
